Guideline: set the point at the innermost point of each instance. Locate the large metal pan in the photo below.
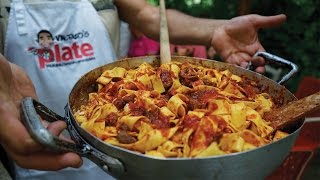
(125, 164)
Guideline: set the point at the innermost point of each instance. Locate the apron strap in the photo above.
(19, 10)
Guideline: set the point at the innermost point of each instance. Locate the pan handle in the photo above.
(278, 60)
(30, 111)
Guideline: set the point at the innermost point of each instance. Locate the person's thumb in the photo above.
(268, 21)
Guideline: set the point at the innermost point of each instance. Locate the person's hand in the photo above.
(237, 40)
(14, 86)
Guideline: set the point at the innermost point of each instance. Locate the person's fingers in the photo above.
(15, 136)
(28, 153)
(47, 160)
(268, 21)
(23, 83)
(257, 61)
(231, 59)
(56, 127)
(240, 59)
(260, 69)
(244, 64)
(5, 78)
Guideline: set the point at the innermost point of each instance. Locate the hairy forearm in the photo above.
(183, 29)
(190, 30)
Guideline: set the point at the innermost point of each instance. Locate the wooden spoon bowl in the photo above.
(291, 113)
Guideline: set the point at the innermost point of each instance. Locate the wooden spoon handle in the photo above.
(293, 111)
(165, 55)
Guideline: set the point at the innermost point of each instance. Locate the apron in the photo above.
(56, 42)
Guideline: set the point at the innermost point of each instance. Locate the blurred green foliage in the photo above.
(298, 40)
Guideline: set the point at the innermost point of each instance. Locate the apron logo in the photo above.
(54, 55)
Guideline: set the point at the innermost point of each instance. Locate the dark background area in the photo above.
(297, 40)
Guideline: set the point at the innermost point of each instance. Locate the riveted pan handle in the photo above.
(30, 111)
(280, 61)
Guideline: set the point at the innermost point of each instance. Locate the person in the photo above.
(125, 39)
(190, 50)
(183, 50)
(199, 51)
(142, 45)
(81, 43)
(211, 52)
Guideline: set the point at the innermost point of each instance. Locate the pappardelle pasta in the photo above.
(178, 110)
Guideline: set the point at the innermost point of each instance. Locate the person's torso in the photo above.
(79, 43)
(57, 42)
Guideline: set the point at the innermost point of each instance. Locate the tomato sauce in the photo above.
(199, 99)
(191, 122)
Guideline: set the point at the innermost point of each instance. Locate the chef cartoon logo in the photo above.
(45, 40)
(61, 50)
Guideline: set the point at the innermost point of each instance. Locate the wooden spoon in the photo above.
(292, 112)
(165, 56)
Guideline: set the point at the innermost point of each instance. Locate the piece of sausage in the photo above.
(111, 119)
(166, 78)
(188, 75)
(125, 138)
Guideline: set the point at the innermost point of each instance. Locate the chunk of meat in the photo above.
(111, 119)
(166, 78)
(125, 138)
(188, 75)
(122, 101)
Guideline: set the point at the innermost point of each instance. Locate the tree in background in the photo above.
(298, 39)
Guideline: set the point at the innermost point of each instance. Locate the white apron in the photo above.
(56, 42)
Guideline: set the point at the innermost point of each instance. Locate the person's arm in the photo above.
(14, 85)
(184, 29)
(236, 40)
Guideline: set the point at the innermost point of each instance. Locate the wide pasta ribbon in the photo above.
(178, 110)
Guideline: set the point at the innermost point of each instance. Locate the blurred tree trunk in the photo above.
(244, 7)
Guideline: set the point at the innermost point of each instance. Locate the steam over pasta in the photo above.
(177, 110)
